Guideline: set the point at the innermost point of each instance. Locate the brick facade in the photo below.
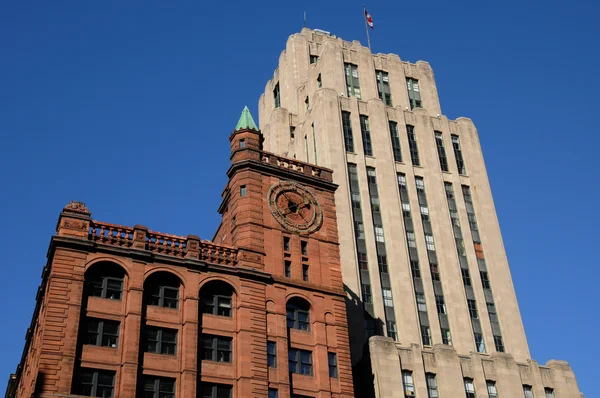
(244, 263)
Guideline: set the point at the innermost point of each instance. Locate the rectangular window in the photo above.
(105, 287)
(432, 388)
(414, 269)
(300, 361)
(375, 203)
(277, 96)
(160, 387)
(391, 330)
(491, 307)
(355, 196)
(366, 135)
(549, 392)
(479, 343)
(440, 304)
(426, 335)
(319, 81)
(409, 384)
(286, 244)
(499, 343)
(395, 141)
(429, 242)
(527, 391)
(425, 213)
(472, 309)
(314, 59)
(272, 354)
(304, 247)
(161, 340)
(347, 127)
(460, 247)
(387, 297)
(410, 237)
(401, 181)
(243, 190)
(379, 234)
(211, 390)
(273, 393)
(446, 336)
(242, 143)
(96, 383)
(216, 348)
(305, 272)
(485, 281)
(332, 360)
(420, 184)
(102, 333)
(362, 261)
(465, 277)
(412, 145)
(460, 163)
(470, 388)
(287, 268)
(382, 263)
(366, 293)
(421, 304)
(359, 230)
(371, 176)
(352, 81)
(439, 141)
(383, 87)
(435, 272)
(491, 387)
(414, 93)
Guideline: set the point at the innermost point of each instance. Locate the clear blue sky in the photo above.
(127, 106)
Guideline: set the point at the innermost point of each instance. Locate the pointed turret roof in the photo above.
(246, 121)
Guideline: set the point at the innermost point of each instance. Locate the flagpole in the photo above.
(366, 26)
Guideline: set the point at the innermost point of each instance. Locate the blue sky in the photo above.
(127, 106)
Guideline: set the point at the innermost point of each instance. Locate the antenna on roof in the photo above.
(305, 19)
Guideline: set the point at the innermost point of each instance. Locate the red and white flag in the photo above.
(369, 19)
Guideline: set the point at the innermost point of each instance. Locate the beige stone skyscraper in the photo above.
(423, 260)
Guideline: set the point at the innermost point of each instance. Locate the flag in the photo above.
(369, 19)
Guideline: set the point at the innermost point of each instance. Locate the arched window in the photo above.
(298, 314)
(105, 280)
(216, 298)
(162, 290)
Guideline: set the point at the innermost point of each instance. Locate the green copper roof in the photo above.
(246, 121)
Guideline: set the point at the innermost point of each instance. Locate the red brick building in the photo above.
(258, 312)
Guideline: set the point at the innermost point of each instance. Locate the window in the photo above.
(479, 343)
(440, 304)
(424, 213)
(347, 127)
(420, 185)
(243, 190)
(527, 391)
(298, 314)
(242, 143)
(366, 135)
(96, 383)
(300, 361)
(216, 348)
(375, 203)
(469, 388)
(105, 286)
(277, 96)
(159, 387)
(352, 81)
(395, 141)
(421, 304)
(460, 247)
(293, 134)
(319, 81)
(273, 393)
(359, 229)
(387, 297)
(287, 268)
(305, 272)
(391, 329)
(405, 209)
(465, 277)
(366, 293)
(409, 384)
(435, 272)
(446, 336)
(410, 237)
(233, 222)
(307, 103)
(401, 181)
(382, 263)
(314, 59)
(549, 392)
(432, 390)
(491, 387)
(499, 343)
(355, 200)
(491, 307)
(332, 360)
(161, 340)
(383, 87)
(412, 145)
(485, 281)
(304, 247)
(414, 269)
(472, 309)
(102, 333)
(211, 390)
(362, 261)
(439, 141)
(472, 221)
(286, 243)
(458, 155)
(414, 93)
(164, 294)
(371, 175)
(379, 234)
(429, 242)
(454, 218)
(216, 298)
(272, 354)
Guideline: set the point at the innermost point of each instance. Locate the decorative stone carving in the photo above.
(77, 207)
(74, 224)
(295, 207)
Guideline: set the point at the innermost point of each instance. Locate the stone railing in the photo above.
(170, 245)
(296, 165)
(217, 254)
(111, 234)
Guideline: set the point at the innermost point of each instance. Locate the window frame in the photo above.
(92, 285)
(352, 82)
(432, 385)
(272, 354)
(365, 131)
(414, 93)
(95, 385)
(441, 150)
(214, 390)
(491, 389)
(412, 145)
(388, 300)
(426, 335)
(384, 96)
(214, 345)
(157, 387)
(460, 162)
(395, 138)
(300, 363)
(162, 346)
(408, 382)
(333, 365)
(100, 333)
(160, 299)
(347, 130)
(294, 321)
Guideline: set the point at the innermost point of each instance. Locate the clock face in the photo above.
(295, 207)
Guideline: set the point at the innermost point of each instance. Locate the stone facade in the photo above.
(244, 264)
(301, 113)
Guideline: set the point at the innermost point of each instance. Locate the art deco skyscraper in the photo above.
(423, 260)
